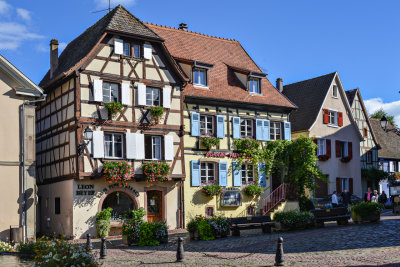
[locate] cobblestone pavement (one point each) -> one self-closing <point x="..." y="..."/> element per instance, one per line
<point x="351" y="245"/>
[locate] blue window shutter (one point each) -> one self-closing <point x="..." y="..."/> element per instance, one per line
<point x="259" y="130"/>
<point x="287" y="131"/>
<point x="220" y="126"/>
<point x="236" y="127"/>
<point x="195" y="124"/>
<point x="262" y="179"/>
<point x="195" y="172"/>
<point x="266" y="130"/>
<point x="223" y="173"/>
<point x="237" y="174"/>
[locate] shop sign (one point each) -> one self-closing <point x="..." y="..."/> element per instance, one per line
<point x="85" y="190"/>
<point x="221" y="155"/>
<point x="133" y="190"/>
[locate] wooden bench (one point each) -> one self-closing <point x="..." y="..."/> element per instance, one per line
<point x="338" y="214"/>
<point x="252" y="222"/>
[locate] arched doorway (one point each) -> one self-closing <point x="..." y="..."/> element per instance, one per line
<point x="119" y="202"/>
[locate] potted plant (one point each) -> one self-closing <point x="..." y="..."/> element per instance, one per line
<point x="156" y="171"/>
<point x="156" y="113"/>
<point x="117" y="172"/>
<point x="323" y="157"/>
<point x="114" y="108"/>
<point x="103" y="222"/>
<point x="366" y="212"/>
<point x="212" y="190"/>
<point x="209" y="141"/>
<point x="130" y="228"/>
<point x="252" y="190"/>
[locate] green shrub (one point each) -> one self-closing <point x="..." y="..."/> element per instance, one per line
<point x="209" y="141"/>
<point x="295" y="219"/>
<point x="205" y="230"/>
<point x="135" y="215"/>
<point x="103" y="222"/>
<point x="253" y="190"/>
<point x="27" y="248"/>
<point x="4" y="246"/>
<point x="219" y="225"/>
<point x="306" y="204"/>
<point x="160" y="232"/>
<point x="146" y="235"/>
<point x="365" y="209"/>
<point x="131" y="230"/>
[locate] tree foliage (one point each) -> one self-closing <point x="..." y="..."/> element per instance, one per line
<point x="379" y="114"/>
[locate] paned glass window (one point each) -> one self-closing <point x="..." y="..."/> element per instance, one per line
<point x="113" y="145"/>
<point x="200" y="77"/>
<point x="207" y="173"/>
<point x="206" y="125"/>
<point x="110" y="92"/>
<point x="335" y="91"/>
<point x="275" y="131"/>
<point x="152" y="96"/>
<point x="246" y="128"/>
<point x="136" y="51"/>
<point x="247" y="174"/>
<point x="321" y="147"/>
<point x="127" y="49"/>
<point x="152" y="147"/>
<point x="333" y="117"/>
<point x="254" y="86"/>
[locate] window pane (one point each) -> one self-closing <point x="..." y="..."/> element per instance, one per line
<point x="202" y="78"/>
<point x="127" y="49"/>
<point x="136" y="51"/>
<point x="108" y="149"/>
<point x="157" y="147"/>
<point x="118" y="149"/>
<point x="114" y="92"/>
<point x="149" y="99"/>
<point x="106" y="92"/>
<point x="147" y="147"/>
<point x="156" y="97"/>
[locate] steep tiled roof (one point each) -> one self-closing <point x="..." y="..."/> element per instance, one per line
<point x="351" y="94"/>
<point x="388" y="140"/>
<point x="223" y="54"/>
<point x="309" y="96"/>
<point x="118" y="20"/>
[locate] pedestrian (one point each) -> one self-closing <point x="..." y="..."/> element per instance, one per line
<point x="375" y="197"/>
<point x="368" y="195"/>
<point x="346" y="196"/>
<point x="335" y="201"/>
<point x="383" y="198"/>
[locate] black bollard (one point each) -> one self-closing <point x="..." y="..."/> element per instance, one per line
<point x="179" y="252"/>
<point x="88" y="243"/>
<point x="103" y="248"/>
<point x="279" y="260"/>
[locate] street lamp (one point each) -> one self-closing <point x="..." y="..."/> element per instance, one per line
<point x="384" y="122"/>
<point x="87" y="136"/>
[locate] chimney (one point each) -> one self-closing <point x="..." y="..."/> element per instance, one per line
<point x="183" y="26"/>
<point x="279" y="84"/>
<point x="53" y="56"/>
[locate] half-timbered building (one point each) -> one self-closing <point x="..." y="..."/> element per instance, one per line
<point x="119" y="61"/>
<point x="227" y="97"/>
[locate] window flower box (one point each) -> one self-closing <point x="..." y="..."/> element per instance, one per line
<point x="156" y="171"/>
<point x="117" y="172"/>
<point x="323" y="157"/>
<point x="252" y="190"/>
<point x="114" y="108"/>
<point x="345" y="159"/>
<point x="211" y="190"/>
<point x="209" y="141"/>
<point x="156" y="113"/>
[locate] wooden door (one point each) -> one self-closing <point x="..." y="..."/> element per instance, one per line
<point x="154" y="206"/>
<point x="322" y="188"/>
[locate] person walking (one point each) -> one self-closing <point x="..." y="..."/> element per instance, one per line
<point x="383" y="198"/>
<point x="375" y="197"/>
<point x="346" y="196"/>
<point x="368" y="195"/>
<point x="335" y="201"/>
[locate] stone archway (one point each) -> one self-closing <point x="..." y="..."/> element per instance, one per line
<point x="129" y="193"/>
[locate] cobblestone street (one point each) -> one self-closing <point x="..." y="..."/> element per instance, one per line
<point x="350" y="245"/>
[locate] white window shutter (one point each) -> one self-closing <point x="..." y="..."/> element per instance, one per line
<point x="98" y="90"/>
<point x="169" y="147"/>
<point x="147" y="51"/>
<point x="139" y="146"/>
<point x="118" y="46"/>
<point x="167" y="97"/>
<point x="98" y="144"/>
<point x="126" y="94"/>
<point x="141" y="94"/>
<point x="130" y="145"/>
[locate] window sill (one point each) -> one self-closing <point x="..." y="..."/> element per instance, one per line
<point x="335" y="97"/>
<point x="131" y="58"/>
<point x="333" y="125"/>
<point x="255" y="94"/>
<point x="108" y="158"/>
<point x="201" y="86"/>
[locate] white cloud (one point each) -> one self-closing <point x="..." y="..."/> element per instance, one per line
<point x="392" y="108"/>
<point x="46" y="48"/>
<point x="61" y="46"/>
<point x="4" y="7"/>
<point x="104" y="3"/>
<point x="24" y="14"/>
<point x="13" y="34"/>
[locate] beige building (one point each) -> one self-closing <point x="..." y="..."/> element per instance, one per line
<point x="324" y="113"/>
<point x="17" y="160"/>
<point x="117" y="60"/>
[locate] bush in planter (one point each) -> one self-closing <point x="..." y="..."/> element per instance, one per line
<point x="103" y="222"/>
<point x="294" y="219"/>
<point x="156" y="113"/>
<point x="131" y="226"/>
<point x="212" y="190"/>
<point x="134" y="215"/>
<point x="156" y="171"/>
<point x="114" y="108"/>
<point x="253" y="190"/>
<point x="366" y="211"/>
<point x="117" y="172"/>
<point x="209" y="141"/>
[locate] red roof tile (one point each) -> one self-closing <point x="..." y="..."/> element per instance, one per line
<point x="222" y="53"/>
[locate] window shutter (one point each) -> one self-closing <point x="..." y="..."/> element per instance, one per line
<point x="169" y="147"/>
<point x="338" y="185"/>
<point x="266" y="130"/>
<point x="126" y="94"/>
<point x="167" y="97"/>
<point x="340" y="119"/>
<point x="328" y="147"/>
<point x="351" y="185"/>
<point x="236" y="127"/>
<point x="337" y="148"/>
<point x="195" y="172"/>
<point x="315" y="140"/>
<point x="262" y="178"/>
<point x="147" y="51"/>
<point x="223" y="173"/>
<point x="259" y="130"/>
<point x="130" y="145"/>
<point x="195" y="124"/>
<point x="141" y="94"/>
<point x="220" y="126"/>
<point x="350" y="149"/>
<point x="118" y="46"/>
<point x="139" y="146"/>
<point x="237" y="174"/>
<point x="287" y="131"/>
<point x="98" y="90"/>
<point x="98" y="144"/>
<point x="326" y="116"/>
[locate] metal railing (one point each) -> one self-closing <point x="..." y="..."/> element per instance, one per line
<point x="281" y="193"/>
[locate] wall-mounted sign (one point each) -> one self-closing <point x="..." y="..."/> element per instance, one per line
<point x="221" y="155"/>
<point x="231" y="198"/>
<point x="134" y="191"/>
<point x="85" y="190"/>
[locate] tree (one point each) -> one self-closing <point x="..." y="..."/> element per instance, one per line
<point x="379" y="114"/>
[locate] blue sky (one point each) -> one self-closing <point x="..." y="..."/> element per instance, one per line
<point x="292" y="39"/>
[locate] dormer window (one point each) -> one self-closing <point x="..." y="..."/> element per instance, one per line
<point x="200" y="77"/>
<point x="254" y="86"/>
<point x="335" y="91"/>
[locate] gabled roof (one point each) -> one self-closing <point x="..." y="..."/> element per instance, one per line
<point x="27" y="87"/>
<point x="119" y="20"/>
<point x="388" y="140"/>
<point x="308" y="95"/>
<point x="351" y="95"/>
<point x="225" y="55"/>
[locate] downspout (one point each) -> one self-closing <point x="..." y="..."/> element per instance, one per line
<point x="24" y="223"/>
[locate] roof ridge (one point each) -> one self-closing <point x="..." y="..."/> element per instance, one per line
<point x="318" y="77"/>
<point x="192" y="32"/>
